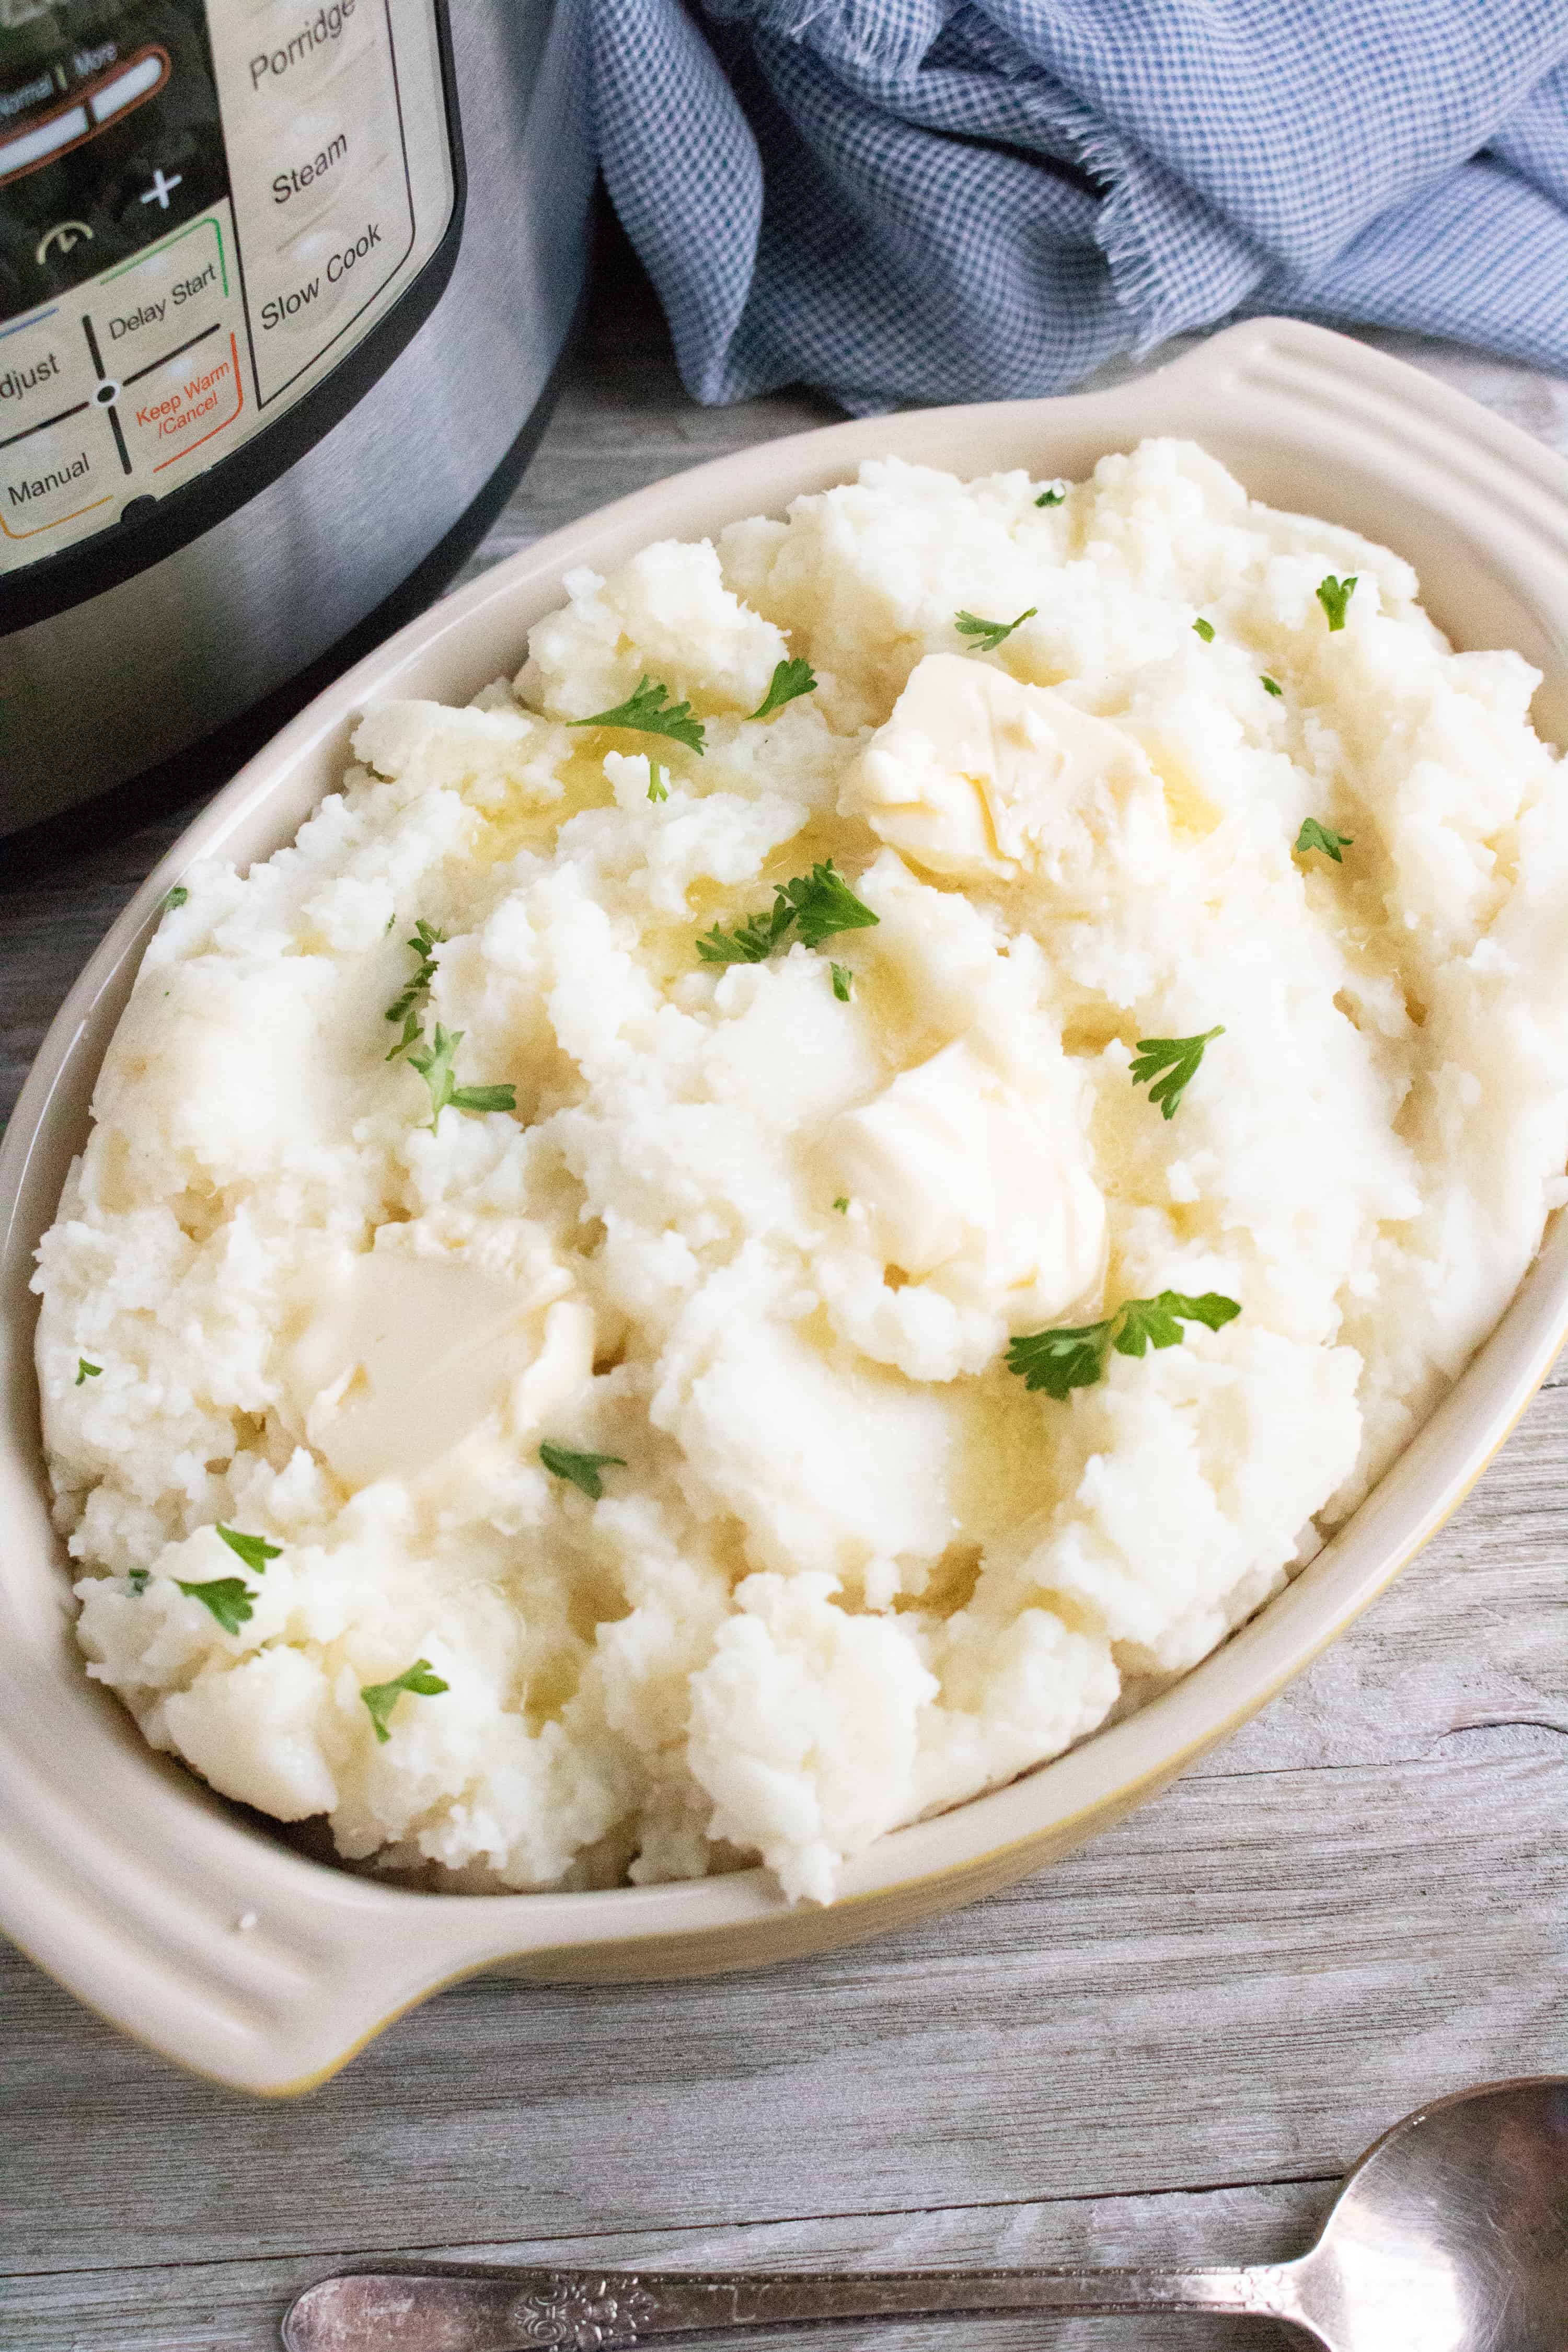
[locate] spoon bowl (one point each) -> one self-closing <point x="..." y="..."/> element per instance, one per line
<point x="1450" y="2235"/>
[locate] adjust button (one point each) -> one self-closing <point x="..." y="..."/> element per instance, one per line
<point x="44" y="369"/>
<point x="51" y="477"/>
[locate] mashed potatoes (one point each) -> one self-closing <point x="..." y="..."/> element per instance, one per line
<point x="634" y="1480"/>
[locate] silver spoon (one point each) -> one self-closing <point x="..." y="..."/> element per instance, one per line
<point x="1450" y="2235"/>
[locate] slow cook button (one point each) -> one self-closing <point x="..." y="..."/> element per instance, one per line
<point x="49" y="478"/>
<point x="341" y="263"/>
<point x="178" y="407"/>
<point x="44" y="369"/>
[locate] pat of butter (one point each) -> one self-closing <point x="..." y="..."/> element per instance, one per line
<point x="976" y="773"/>
<point x="395" y="1358"/>
<point x="964" y="1175"/>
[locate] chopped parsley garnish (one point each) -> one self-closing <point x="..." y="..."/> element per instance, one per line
<point x="842" y="1204"/>
<point x="1052" y="495"/>
<point x="582" y="1469"/>
<point x="819" y="905"/>
<point x="435" y="1067"/>
<point x="409" y="1006"/>
<point x="1314" y="835"/>
<point x="1333" y="596"/>
<point x="1270" y="685"/>
<point x="789" y="680"/>
<point x="228" y="1598"/>
<point x="989" y="634"/>
<point x="1205" y="629"/>
<point x="751" y="941"/>
<point x="380" y="1698"/>
<point x="1075" y="1357"/>
<point x="842" y="977"/>
<point x="174" y="897"/>
<point x="86" y="1371"/>
<point x="650" y="712"/>
<point x="138" y="1578"/>
<point x="824" y="904"/>
<point x="658" y="789"/>
<point x="1178" y="1057"/>
<point x="254" y="1550"/>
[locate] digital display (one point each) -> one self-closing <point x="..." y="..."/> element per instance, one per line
<point x="110" y="132"/>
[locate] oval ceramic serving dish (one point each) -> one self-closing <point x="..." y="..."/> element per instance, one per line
<point x="183" y="1920"/>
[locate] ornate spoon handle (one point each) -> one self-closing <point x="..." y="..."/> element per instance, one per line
<point x="504" y="2310"/>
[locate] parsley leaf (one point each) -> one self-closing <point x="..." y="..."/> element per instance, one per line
<point x="413" y="1030"/>
<point x="820" y="903"/>
<point x="1205" y="629"/>
<point x="380" y="1698"/>
<point x="1270" y="685"/>
<point x="1052" y="495"/>
<point x="582" y="1469"/>
<point x="790" y="679"/>
<point x="138" y="1580"/>
<point x="1333" y="596"/>
<point x="254" y="1550"/>
<point x="1072" y="1357"/>
<point x="1075" y="1357"/>
<point x="751" y="941"/>
<point x="650" y="712"/>
<point x="824" y="904"/>
<point x="435" y="1067"/>
<point x="228" y="1598"/>
<point x="842" y="1204"/>
<point x="174" y="897"/>
<point x="407" y="1008"/>
<point x="1314" y="835"/>
<point x="989" y="634"/>
<point x="86" y="1371"/>
<point x="1179" y="1058"/>
<point x="1143" y="1323"/>
<point x="658" y="789"/>
<point x="842" y="977"/>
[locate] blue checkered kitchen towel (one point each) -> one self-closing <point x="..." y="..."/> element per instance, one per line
<point x="935" y="200"/>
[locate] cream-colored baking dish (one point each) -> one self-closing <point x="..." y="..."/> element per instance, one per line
<point x="182" y="1918"/>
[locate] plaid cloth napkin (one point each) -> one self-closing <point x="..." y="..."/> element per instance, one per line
<point x="934" y="200"/>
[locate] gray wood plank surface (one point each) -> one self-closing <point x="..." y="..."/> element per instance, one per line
<point x="1168" y="2047"/>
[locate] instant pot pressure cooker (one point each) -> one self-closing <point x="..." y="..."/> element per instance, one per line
<point x="282" y="284"/>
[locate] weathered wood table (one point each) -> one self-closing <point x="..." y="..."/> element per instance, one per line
<point x="1167" y="2048"/>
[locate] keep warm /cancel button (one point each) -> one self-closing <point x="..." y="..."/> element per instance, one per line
<point x="177" y="408"/>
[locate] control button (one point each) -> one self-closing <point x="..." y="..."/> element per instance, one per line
<point x="25" y="150"/>
<point x="64" y="238"/>
<point x="142" y="313"/>
<point x="326" y="272"/>
<point x="130" y="86"/>
<point x="45" y="370"/>
<point x="280" y="72"/>
<point x="178" y="405"/>
<point x="162" y="189"/>
<point x="51" y="477"/>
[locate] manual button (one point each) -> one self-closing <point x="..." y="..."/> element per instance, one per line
<point x="44" y="371"/>
<point x="51" y="477"/>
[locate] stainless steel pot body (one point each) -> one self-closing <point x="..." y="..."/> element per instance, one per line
<point x="123" y="678"/>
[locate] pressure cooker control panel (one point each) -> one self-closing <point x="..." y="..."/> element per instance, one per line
<point x="202" y="210"/>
